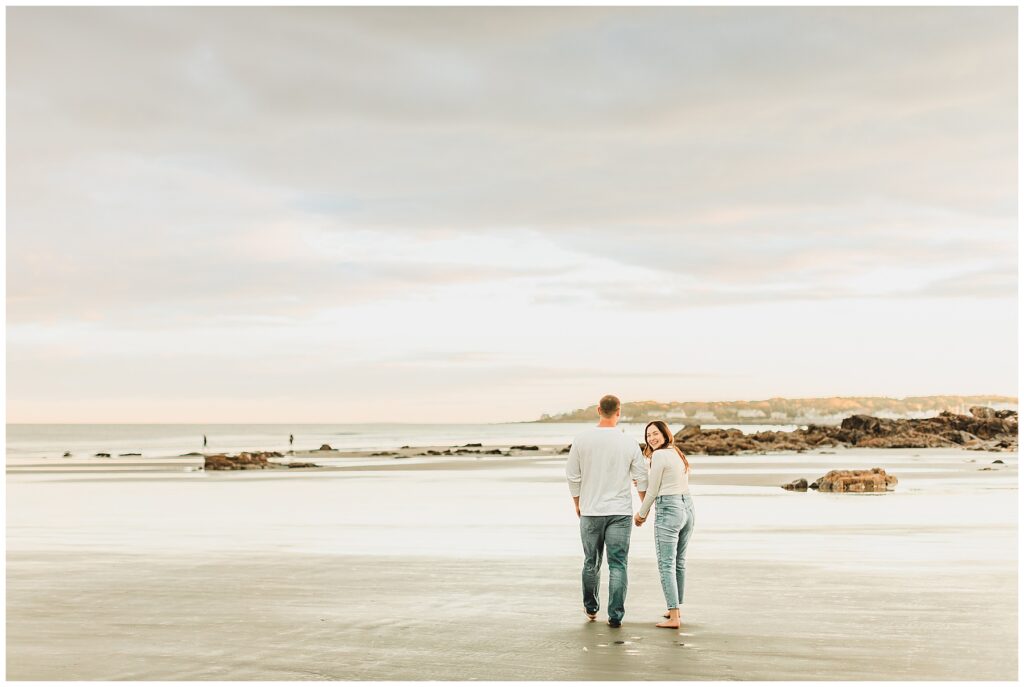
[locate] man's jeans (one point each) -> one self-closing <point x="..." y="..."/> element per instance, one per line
<point x="673" y="525"/>
<point x="600" y="532"/>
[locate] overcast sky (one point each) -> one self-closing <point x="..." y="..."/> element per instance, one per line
<point x="465" y="214"/>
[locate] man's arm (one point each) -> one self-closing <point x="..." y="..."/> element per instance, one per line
<point x="638" y="471"/>
<point x="574" y="476"/>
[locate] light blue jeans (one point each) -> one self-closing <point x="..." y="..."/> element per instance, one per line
<point x="673" y="525"/>
<point x="600" y="533"/>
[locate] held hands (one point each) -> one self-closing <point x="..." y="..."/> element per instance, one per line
<point x="638" y="520"/>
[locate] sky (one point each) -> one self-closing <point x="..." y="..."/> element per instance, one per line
<point x="485" y="214"/>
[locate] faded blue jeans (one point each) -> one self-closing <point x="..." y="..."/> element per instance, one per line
<point x="673" y="525"/>
<point x="601" y="532"/>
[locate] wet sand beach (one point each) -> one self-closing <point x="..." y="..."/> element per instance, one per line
<point x="298" y="617"/>
<point x="446" y="571"/>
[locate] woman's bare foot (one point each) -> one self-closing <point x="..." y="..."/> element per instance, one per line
<point x="673" y="620"/>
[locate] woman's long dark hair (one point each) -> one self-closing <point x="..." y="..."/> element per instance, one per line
<point x="670" y="440"/>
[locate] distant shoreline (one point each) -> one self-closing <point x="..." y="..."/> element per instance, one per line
<point x="790" y="411"/>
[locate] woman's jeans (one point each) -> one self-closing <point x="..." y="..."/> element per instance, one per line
<point x="673" y="525"/>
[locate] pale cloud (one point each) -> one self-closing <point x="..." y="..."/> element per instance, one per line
<point x="387" y="184"/>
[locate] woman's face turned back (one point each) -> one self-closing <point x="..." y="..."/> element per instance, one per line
<point x="654" y="438"/>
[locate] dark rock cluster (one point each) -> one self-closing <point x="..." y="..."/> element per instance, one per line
<point x="984" y="429"/>
<point x="875" y="479"/>
<point x="848" y="481"/>
<point x="463" y="452"/>
<point x="258" y="460"/>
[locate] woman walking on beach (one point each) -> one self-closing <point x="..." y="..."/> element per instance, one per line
<point x="669" y="488"/>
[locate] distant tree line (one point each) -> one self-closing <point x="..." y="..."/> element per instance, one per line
<point x="787" y="410"/>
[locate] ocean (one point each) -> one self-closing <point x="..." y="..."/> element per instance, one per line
<point x="38" y="441"/>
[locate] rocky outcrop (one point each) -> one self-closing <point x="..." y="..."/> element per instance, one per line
<point x="325" y="447"/>
<point x="983" y="430"/>
<point x="856" y="481"/>
<point x="243" y="461"/>
<point x="989" y="414"/>
<point x="796" y="485"/>
<point x="721" y="442"/>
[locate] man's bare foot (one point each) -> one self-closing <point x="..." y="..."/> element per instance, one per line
<point x="592" y="616"/>
<point x="671" y="624"/>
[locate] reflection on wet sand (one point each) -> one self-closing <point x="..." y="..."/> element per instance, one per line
<point x="449" y="572"/>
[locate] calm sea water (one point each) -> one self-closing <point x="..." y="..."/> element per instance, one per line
<point x="159" y="441"/>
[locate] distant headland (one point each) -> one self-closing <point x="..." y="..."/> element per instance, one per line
<point x="786" y="411"/>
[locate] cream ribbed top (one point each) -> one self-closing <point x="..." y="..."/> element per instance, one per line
<point x="667" y="476"/>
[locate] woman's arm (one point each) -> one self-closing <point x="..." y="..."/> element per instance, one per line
<point x="654" y="484"/>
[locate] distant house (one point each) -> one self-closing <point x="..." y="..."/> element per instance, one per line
<point x="752" y="414"/>
<point x="705" y="415"/>
<point x="675" y="415"/>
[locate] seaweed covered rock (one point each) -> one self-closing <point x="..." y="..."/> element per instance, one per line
<point x="857" y="481"/>
<point x="243" y="461"/>
<point x="984" y="429"/>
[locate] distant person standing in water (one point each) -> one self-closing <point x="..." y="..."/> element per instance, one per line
<point x="204" y="441"/>
<point x="291" y="439"/>
<point x="599" y="469"/>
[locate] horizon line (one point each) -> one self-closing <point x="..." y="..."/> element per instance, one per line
<point x="535" y="420"/>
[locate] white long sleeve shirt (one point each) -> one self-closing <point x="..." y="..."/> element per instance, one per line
<point x="668" y="476"/>
<point x="602" y="464"/>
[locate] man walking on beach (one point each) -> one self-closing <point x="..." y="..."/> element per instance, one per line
<point x="602" y="464"/>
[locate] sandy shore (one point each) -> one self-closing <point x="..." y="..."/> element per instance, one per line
<point x="461" y="568"/>
<point x="304" y="617"/>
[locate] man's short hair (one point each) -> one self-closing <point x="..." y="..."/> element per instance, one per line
<point x="608" y="406"/>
